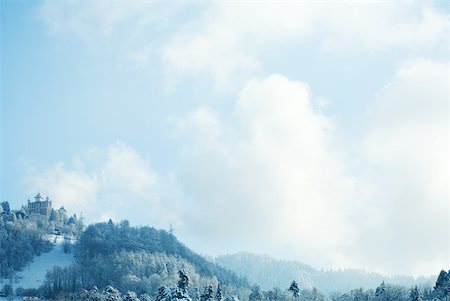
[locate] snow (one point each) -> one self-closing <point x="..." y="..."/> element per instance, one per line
<point x="33" y="275"/>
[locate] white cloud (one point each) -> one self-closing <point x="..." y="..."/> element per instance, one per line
<point x="112" y="182"/>
<point x="271" y="178"/>
<point x="103" y="18"/>
<point x="268" y="180"/>
<point x="407" y="150"/>
<point x="127" y="32"/>
<point x="228" y="42"/>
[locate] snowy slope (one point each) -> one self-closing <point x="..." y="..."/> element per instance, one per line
<point x="33" y="275"/>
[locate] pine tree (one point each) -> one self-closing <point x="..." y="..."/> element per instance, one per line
<point x="183" y="282"/>
<point x="294" y="289"/>
<point x="5" y="206"/>
<point x="208" y="294"/>
<point x="415" y="294"/>
<point x="146" y="297"/>
<point x="131" y="296"/>
<point x="256" y="294"/>
<point x="316" y="295"/>
<point x="164" y="293"/>
<point x="442" y="287"/>
<point x="112" y="294"/>
<point x="219" y="295"/>
<point x="380" y="292"/>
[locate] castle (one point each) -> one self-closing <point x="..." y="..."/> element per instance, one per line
<point x="40" y="206"/>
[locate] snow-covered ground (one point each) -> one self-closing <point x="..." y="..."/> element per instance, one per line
<point x="33" y="275"/>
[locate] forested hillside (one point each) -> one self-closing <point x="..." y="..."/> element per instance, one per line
<point x="115" y="261"/>
<point x="269" y="273"/>
<point x="23" y="235"/>
<point x="139" y="259"/>
<point x="20" y="241"/>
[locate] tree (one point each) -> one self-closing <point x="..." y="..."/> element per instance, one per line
<point x="208" y="294"/>
<point x="5" y="206"/>
<point x="183" y="282"/>
<point x="164" y="293"/>
<point x="112" y="294"/>
<point x="380" y="292"/>
<point x="146" y="297"/>
<point x="359" y="295"/>
<point x="219" y="295"/>
<point x="316" y="295"/>
<point x="7" y="290"/>
<point x="442" y="287"/>
<point x="131" y="296"/>
<point x="415" y="294"/>
<point x="294" y="289"/>
<point x="256" y="294"/>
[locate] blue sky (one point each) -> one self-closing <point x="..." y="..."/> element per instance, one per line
<point x="299" y="130"/>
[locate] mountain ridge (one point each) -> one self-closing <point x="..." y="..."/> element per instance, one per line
<point x="269" y="272"/>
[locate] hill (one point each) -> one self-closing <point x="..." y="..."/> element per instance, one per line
<point x="269" y="273"/>
<point x="33" y="275"/>
<point x="141" y="259"/>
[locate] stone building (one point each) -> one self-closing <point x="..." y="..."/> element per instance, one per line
<point x="40" y="206"/>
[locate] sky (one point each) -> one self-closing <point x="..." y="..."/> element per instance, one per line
<point x="313" y="131"/>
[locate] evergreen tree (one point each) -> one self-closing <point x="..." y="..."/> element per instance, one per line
<point x="131" y="296"/>
<point x="380" y="292"/>
<point x="5" y="206"/>
<point x="7" y="290"/>
<point x="146" y="297"/>
<point x="208" y="294"/>
<point x="316" y="295"/>
<point x="415" y="294"/>
<point x="294" y="289"/>
<point x="164" y="293"/>
<point x="183" y="282"/>
<point x="442" y="287"/>
<point x="112" y="294"/>
<point x="219" y="295"/>
<point x="256" y="294"/>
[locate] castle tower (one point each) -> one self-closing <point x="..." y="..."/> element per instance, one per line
<point x="38" y="197"/>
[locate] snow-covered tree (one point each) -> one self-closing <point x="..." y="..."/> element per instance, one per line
<point x="183" y="282"/>
<point x="207" y="294"/>
<point x="415" y="294"/>
<point x="380" y="292"/>
<point x="256" y="294"/>
<point x="442" y="287"/>
<point x="131" y="296"/>
<point x="178" y="293"/>
<point x="5" y="206"/>
<point x="219" y="295"/>
<point x="112" y="294"/>
<point x="164" y="294"/>
<point x="294" y="289"/>
<point x="7" y="290"/>
<point x="146" y="297"/>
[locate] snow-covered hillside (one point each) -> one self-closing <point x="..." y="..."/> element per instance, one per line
<point x="33" y="275"/>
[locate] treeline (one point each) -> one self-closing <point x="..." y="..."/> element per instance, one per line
<point x="387" y="292"/>
<point x="187" y="290"/>
<point x="138" y="259"/>
<point x="20" y="241"/>
<point x="269" y="272"/>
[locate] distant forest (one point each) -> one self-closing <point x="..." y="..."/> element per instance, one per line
<point x="115" y="261"/>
